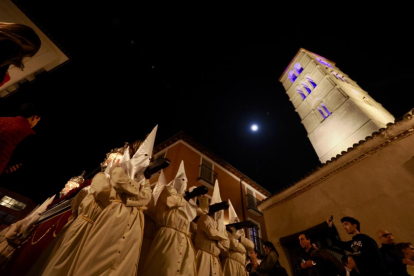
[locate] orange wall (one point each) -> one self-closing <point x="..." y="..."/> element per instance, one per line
<point x="229" y="186"/>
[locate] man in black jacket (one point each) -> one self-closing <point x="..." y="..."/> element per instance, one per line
<point x="395" y="262"/>
<point x="317" y="261"/>
<point x="364" y="249"/>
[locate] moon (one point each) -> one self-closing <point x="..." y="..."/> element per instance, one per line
<point x="254" y="128"/>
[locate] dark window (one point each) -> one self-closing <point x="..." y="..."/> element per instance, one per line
<point x="6" y="218"/>
<point x="258" y="243"/>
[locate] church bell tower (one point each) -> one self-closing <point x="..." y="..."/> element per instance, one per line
<point x="335" y="111"/>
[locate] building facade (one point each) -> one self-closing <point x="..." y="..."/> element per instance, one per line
<point x="373" y="181"/>
<point x="203" y="168"/>
<point x="335" y="111"/>
<point x="49" y="56"/>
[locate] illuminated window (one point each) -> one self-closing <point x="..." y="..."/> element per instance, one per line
<point x="321" y="61"/>
<point x="298" y="68"/>
<point x="11" y="203"/>
<point x="326" y="109"/>
<point x="311" y="81"/>
<point x="320" y="111"/>
<point x="292" y="76"/>
<point x="301" y="93"/>
<point x="306" y="87"/>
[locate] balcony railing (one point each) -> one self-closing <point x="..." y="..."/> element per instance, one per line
<point x="252" y="203"/>
<point x="207" y="176"/>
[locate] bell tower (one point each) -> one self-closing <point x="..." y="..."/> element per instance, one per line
<point x="335" y="111"/>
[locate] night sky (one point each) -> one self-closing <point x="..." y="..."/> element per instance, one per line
<point x="131" y="69"/>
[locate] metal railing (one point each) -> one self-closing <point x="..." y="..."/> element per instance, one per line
<point x="252" y="202"/>
<point x="207" y="174"/>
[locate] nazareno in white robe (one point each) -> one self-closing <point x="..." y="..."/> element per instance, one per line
<point x="114" y="243"/>
<point x="233" y="260"/>
<point x="61" y="257"/>
<point x="208" y="244"/>
<point x="172" y="252"/>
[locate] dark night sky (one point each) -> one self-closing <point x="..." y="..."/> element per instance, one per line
<point x="211" y="81"/>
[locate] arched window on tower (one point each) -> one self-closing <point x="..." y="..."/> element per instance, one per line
<point x="307" y="88"/>
<point x="301" y="93"/>
<point x="298" y="68"/>
<point x="310" y="80"/>
<point x="326" y="109"/>
<point x="323" y="110"/>
<point x="292" y="76"/>
<point x="320" y="111"/>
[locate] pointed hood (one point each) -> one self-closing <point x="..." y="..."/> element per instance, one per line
<point x="218" y="216"/>
<point x="180" y="181"/>
<point x="141" y="159"/>
<point x="161" y="183"/>
<point x="126" y="156"/>
<point x="34" y="216"/>
<point x="108" y="167"/>
<point x="216" y="198"/>
<point x="233" y="218"/>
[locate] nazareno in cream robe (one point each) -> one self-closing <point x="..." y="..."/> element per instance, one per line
<point x="172" y="252"/>
<point x="61" y="257"/>
<point x="234" y="260"/>
<point x="207" y="245"/>
<point x="114" y="243"/>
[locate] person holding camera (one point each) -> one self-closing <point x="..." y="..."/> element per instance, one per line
<point x="364" y="249"/>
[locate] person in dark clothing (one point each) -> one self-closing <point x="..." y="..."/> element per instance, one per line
<point x="17" y="139"/>
<point x="305" y="263"/>
<point x="270" y="264"/>
<point x="395" y="262"/>
<point x="318" y="261"/>
<point x="364" y="249"/>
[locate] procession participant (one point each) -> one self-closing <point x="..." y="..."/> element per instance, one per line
<point x="114" y="243"/>
<point x="61" y="256"/>
<point x="233" y="260"/>
<point x="172" y="252"/>
<point x="210" y="238"/>
<point x="14" y="235"/>
<point x="150" y="228"/>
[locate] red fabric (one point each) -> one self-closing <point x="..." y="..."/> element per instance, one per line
<point x="26" y="255"/>
<point x="6" y="79"/>
<point x="12" y="131"/>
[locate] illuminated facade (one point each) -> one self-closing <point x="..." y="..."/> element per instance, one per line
<point x="335" y="111"/>
<point x="372" y="182"/>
